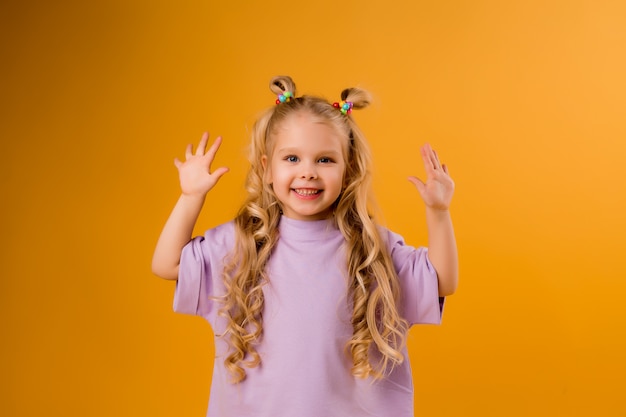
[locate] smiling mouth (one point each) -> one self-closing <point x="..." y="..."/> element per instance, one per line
<point x="306" y="191"/>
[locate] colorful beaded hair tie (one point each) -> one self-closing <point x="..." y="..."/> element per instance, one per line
<point x="344" y="107"/>
<point x="284" y="97"/>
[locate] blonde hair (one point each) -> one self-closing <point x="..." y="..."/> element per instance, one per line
<point x="373" y="287"/>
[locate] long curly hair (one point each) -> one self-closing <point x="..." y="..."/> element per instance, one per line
<point x="373" y="289"/>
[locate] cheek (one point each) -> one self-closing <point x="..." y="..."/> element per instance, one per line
<point x="277" y="174"/>
<point x="340" y="179"/>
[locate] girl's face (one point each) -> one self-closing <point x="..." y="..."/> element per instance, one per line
<point x="306" y="167"/>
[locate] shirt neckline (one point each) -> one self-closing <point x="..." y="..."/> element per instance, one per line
<point x="306" y="230"/>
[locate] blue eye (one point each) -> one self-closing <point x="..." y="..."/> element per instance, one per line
<point x="325" y="160"/>
<point x="291" y="158"/>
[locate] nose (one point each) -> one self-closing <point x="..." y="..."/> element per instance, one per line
<point x="309" y="172"/>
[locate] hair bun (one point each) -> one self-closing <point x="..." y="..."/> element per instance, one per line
<point x="281" y="84"/>
<point x="358" y="97"/>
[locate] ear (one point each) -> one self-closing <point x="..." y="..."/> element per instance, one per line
<point x="267" y="172"/>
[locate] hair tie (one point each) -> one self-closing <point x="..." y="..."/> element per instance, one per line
<point x="344" y="107"/>
<point x="284" y="97"/>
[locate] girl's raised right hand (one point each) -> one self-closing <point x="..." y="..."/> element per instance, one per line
<point x="196" y="178"/>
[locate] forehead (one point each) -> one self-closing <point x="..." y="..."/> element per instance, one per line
<point x="308" y="131"/>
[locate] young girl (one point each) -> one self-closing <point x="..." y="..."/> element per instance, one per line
<point x="309" y="299"/>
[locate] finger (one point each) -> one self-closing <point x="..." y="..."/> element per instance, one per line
<point x="213" y="149"/>
<point x="445" y="169"/>
<point x="202" y="144"/>
<point x="427" y="157"/>
<point x="437" y="162"/>
<point x="219" y="172"/>
<point x="189" y="151"/>
<point x="419" y="184"/>
<point x="432" y="156"/>
<point x="177" y="162"/>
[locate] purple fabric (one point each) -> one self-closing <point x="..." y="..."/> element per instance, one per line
<point x="305" y="370"/>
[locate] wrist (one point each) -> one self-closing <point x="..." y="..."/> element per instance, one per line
<point x="192" y="198"/>
<point x="438" y="214"/>
<point x="437" y="211"/>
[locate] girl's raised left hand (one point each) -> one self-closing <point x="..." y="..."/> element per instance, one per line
<point x="438" y="189"/>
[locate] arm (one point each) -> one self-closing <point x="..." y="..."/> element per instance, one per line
<point x="196" y="181"/>
<point x="437" y="194"/>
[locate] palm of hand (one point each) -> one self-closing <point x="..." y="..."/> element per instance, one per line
<point x="438" y="188"/>
<point x="195" y="173"/>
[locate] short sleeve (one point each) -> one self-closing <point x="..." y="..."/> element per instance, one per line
<point x="200" y="272"/>
<point x="192" y="279"/>
<point x="420" y="301"/>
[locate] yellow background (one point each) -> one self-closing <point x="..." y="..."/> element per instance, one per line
<point x="525" y="100"/>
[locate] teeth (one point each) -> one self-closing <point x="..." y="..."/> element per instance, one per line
<point x="306" y="192"/>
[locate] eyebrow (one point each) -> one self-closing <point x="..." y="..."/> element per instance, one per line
<point x="296" y="150"/>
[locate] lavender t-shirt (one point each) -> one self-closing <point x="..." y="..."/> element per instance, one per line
<point x="304" y="368"/>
